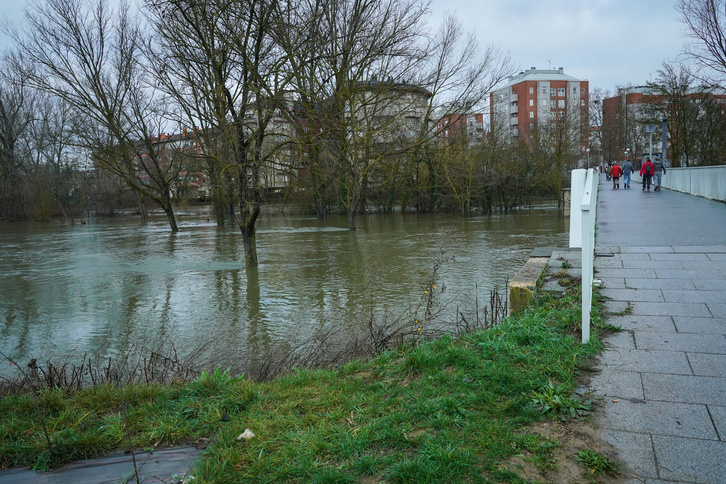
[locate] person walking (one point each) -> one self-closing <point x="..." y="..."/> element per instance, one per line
<point x="658" y="172"/>
<point x="627" y="172"/>
<point x="646" y="171"/>
<point x="615" y="172"/>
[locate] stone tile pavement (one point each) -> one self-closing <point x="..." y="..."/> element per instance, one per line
<point x="662" y="379"/>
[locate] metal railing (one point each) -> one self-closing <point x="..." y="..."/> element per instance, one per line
<point x="583" y="208"/>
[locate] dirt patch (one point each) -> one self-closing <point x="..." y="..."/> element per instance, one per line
<point x="562" y="468"/>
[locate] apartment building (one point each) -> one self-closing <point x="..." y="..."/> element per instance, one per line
<point x="457" y="126"/>
<point x="537" y="96"/>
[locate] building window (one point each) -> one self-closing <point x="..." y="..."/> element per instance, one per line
<point x="561" y="91"/>
<point x="552" y="104"/>
<point x="582" y="91"/>
<point x="544" y="90"/>
<point x="574" y="90"/>
<point x="544" y="103"/>
<point x="561" y="103"/>
<point x="553" y="91"/>
<point x="531" y="115"/>
<point x="531" y="102"/>
<point x="531" y="90"/>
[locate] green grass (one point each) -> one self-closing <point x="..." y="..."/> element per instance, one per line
<point x="450" y="410"/>
<point x="597" y="464"/>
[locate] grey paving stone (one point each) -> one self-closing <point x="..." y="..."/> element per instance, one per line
<point x="718" y="414"/>
<point x="620" y="340"/>
<point x="627" y="273"/>
<point x="612" y="282"/>
<point x="654" y="264"/>
<point x="705" y="265"/>
<point x="705" y="364"/>
<point x="645" y="250"/>
<point x="648" y="295"/>
<point x="718" y="310"/>
<point x="663" y="418"/>
<point x="620" y="384"/>
<point x="687" y="274"/>
<point x="687" y="324"/>
<point x="615" y="307"/>
<point x="694" y="342"/>
<point x="708" y="249"/>
<point x="718" y="256"/>
<point x="684" y="389"/>
<point x="679" y="296"/>
<point x="608" y="263"/>
<point x="710" y="284"/>
<point x="624" y="359"/>
<point x="671" y="309"/>
<point x="679" y="256"/>
<point x="643" y="323"/>
<point x="684" y="284"/>
<point x="636" y="451"/>
<point x="690" y="460"/>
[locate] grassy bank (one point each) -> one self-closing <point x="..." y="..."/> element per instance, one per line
<point x="456" y="409"/>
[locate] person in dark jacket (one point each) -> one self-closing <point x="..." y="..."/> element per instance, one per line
<point x="627" y="171"/>
<point x="615" y="172"/>
<point x="658" y="172"/>
<point x="646" y="171"/>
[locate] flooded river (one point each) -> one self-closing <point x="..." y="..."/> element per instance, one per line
<point x="100" y="287"/>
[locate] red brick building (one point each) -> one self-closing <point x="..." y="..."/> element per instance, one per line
<point x="538" y="96"/>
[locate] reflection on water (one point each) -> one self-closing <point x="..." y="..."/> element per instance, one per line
<point x="101" y="287"/>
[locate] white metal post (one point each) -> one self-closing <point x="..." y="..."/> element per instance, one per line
<point x="588" y="242"/>
<point x="577" y="187"/>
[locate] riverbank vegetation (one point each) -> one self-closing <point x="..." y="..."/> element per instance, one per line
<point x="459" y="408"/>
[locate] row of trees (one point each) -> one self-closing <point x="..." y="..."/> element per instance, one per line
<point x="89" y="82"/>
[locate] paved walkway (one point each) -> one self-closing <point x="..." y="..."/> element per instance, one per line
<point x="663" y="378"/>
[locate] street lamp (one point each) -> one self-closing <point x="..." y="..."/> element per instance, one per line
<point x="588" y="157"/>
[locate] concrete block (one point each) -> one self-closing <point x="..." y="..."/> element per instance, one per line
<point x="710" y="284"/>
<point x="663" y="418"/>
<point x="690" y="460"/>
<point x="678" y="256"/>
<point x="653" y="264"/>
<point x="684" y="284"/>
<point x="684" y="389"/>
<point x="680" y="296"/>
<point x="613" y="282"/>
<point x="626" y="273"/>
<point x="687" y="274"/>
<point x="646" y="250"/>
<point x="688" y="324"/>
<point x="621" y="340"/>
<point x="643" y="323"/>
<point x="631" y="295"/>
<point x="524" y="284"/>
<point x="636" y="451"/>
<point x="617" y="384"/>
<point x="692" y="342"/>
<point x="698" y="310"/>
<point x="637" y="360"/>
<point x="705" y="364"/>
<point x="718" y="413"/>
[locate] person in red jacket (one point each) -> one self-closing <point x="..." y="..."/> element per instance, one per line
<point x="615" y="172"/>
<point x="646" y="171"/>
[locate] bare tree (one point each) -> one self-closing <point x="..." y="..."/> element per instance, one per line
<point x="706" y="25"/>
<point x="89" y="56"/>
<point x="217" y="60"/>
<point x="16" y="114"/>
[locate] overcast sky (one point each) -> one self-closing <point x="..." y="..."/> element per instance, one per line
<point x="607" y="42"/>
